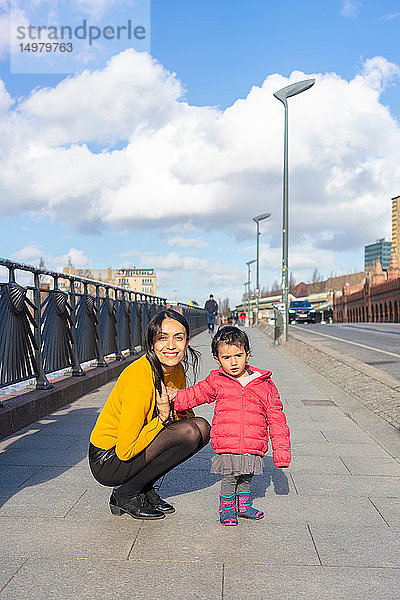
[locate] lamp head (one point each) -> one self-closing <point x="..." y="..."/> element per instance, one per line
<point x="293" y="89"/>
<point x="259" y="218"/>
<point x="250" y="262"/>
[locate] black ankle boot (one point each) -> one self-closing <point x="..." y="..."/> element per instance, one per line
<point x="156" y="502"/>
<point x="137" y="507"/>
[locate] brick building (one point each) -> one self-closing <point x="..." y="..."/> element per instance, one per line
<point x="378" y="301"/>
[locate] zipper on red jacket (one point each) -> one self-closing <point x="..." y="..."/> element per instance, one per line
<point x="241" y="422"/>
<point x="221" y="372"/>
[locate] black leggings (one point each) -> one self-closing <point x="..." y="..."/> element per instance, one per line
<point x="171" y="447"/>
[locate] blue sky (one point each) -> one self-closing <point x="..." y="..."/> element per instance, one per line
<point x="163" y="163"/>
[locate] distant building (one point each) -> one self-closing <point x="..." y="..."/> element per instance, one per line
<point x="381" y="250"/>
<point x="139" y="280"/>
<point x="396" y="227"/>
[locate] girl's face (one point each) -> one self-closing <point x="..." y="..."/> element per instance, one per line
<point x="232" y="359"/>
<point x="170" y="344"/>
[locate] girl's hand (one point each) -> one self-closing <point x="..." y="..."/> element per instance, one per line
<point x="163" y="404"/>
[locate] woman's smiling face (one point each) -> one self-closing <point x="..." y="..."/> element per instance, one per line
<point x="170" y="344"/>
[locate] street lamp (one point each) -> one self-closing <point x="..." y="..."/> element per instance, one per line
<point x="250" y="262"/>
<point x="257" y="219"/>
<point x="246" y="283"/>
<point x="283" y="95"/>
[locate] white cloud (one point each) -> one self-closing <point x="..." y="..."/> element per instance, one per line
<point x="179" y="228"/>
<point x="303" y="260"/>
<point x="215" y="274"/>
<point x="96" y="7"/>
<point x="184" y="168"/>
<point x="350" y="8"/>
<point x="379" y="73"/>
<point x="75" y="256"/>
<point x="5" y="99"/>
<point x="181" y="242"/>
<point x="33" y="253"/>
<point x="133" y="93"/>
<point x="4" y="35"/>
<point x="29" y="255"/>
<point x="130" y="253"/>
<point x="390" y="16"/>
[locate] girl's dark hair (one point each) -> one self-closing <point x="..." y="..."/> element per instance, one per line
<point x="152" y="329"/>
<point x="231" y="335"/>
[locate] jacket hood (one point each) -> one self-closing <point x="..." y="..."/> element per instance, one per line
<point x="264" y="374"/>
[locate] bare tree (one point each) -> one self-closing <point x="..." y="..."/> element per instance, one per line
<point x="276" y="288"/>
<point x="273" y="291"/>
<point x="43" y="279"/>
<point x="223" y="308"/>
<point x="292" y="284"/>
<point x="316" y="276"/>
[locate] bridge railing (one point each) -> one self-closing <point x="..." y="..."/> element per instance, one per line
<point x="55" y="321"/>
<point x="195" y="316"/>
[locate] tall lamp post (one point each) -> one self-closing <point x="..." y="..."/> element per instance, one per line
<point x="283" y="95"/>
<point x="250" y="262"/>
<point x="246" y="284"/>
<point x="257" y="220"/>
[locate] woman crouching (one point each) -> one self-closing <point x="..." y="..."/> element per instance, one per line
<point x="136" y="439"/>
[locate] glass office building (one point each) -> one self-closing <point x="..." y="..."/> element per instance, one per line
<point x="381" y="250"/>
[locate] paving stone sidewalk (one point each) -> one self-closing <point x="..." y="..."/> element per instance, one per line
<point x="332" y="520"/>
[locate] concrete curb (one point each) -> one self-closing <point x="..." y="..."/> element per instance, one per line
<point x="369" y="370"/>
<point x="25" y="408"/>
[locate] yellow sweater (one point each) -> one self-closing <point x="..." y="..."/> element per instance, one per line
<point x="126" y="420"/>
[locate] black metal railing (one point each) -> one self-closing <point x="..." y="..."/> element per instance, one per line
<point x="66" y="321"/>
<point x="195" y="316"/>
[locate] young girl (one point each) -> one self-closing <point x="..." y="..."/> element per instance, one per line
<point x="247" y="407"/>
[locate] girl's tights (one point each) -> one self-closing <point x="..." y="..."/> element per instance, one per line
<point x="231" y="484"/>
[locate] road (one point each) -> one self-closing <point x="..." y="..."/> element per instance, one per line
<point x="376" y="344"/>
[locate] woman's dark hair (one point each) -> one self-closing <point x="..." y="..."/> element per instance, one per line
<point x="231" y="335"/>
<point x="152" y="329"/>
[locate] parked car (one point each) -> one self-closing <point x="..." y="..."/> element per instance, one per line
<point x="301" y="311"/>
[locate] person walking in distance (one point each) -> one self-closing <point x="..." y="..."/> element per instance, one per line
<point x="247" y="410"/>
<point x="212" y="309"/>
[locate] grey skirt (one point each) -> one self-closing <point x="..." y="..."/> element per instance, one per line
<point x="237" y="464"/>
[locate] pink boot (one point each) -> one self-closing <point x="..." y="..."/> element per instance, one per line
<point x="227" y="510"/>
<point x="244" y="508"/>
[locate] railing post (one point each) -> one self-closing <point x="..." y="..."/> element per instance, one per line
<point x="77" y="370"/>
<point x="101" y="361"/>
<point x="118" y="354"/>
<point x="131" y="326"/>
<point x="11" y="274"/>
<point x="42" y="383"/>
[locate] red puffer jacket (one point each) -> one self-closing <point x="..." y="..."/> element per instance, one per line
<point x="243" y="416"/>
